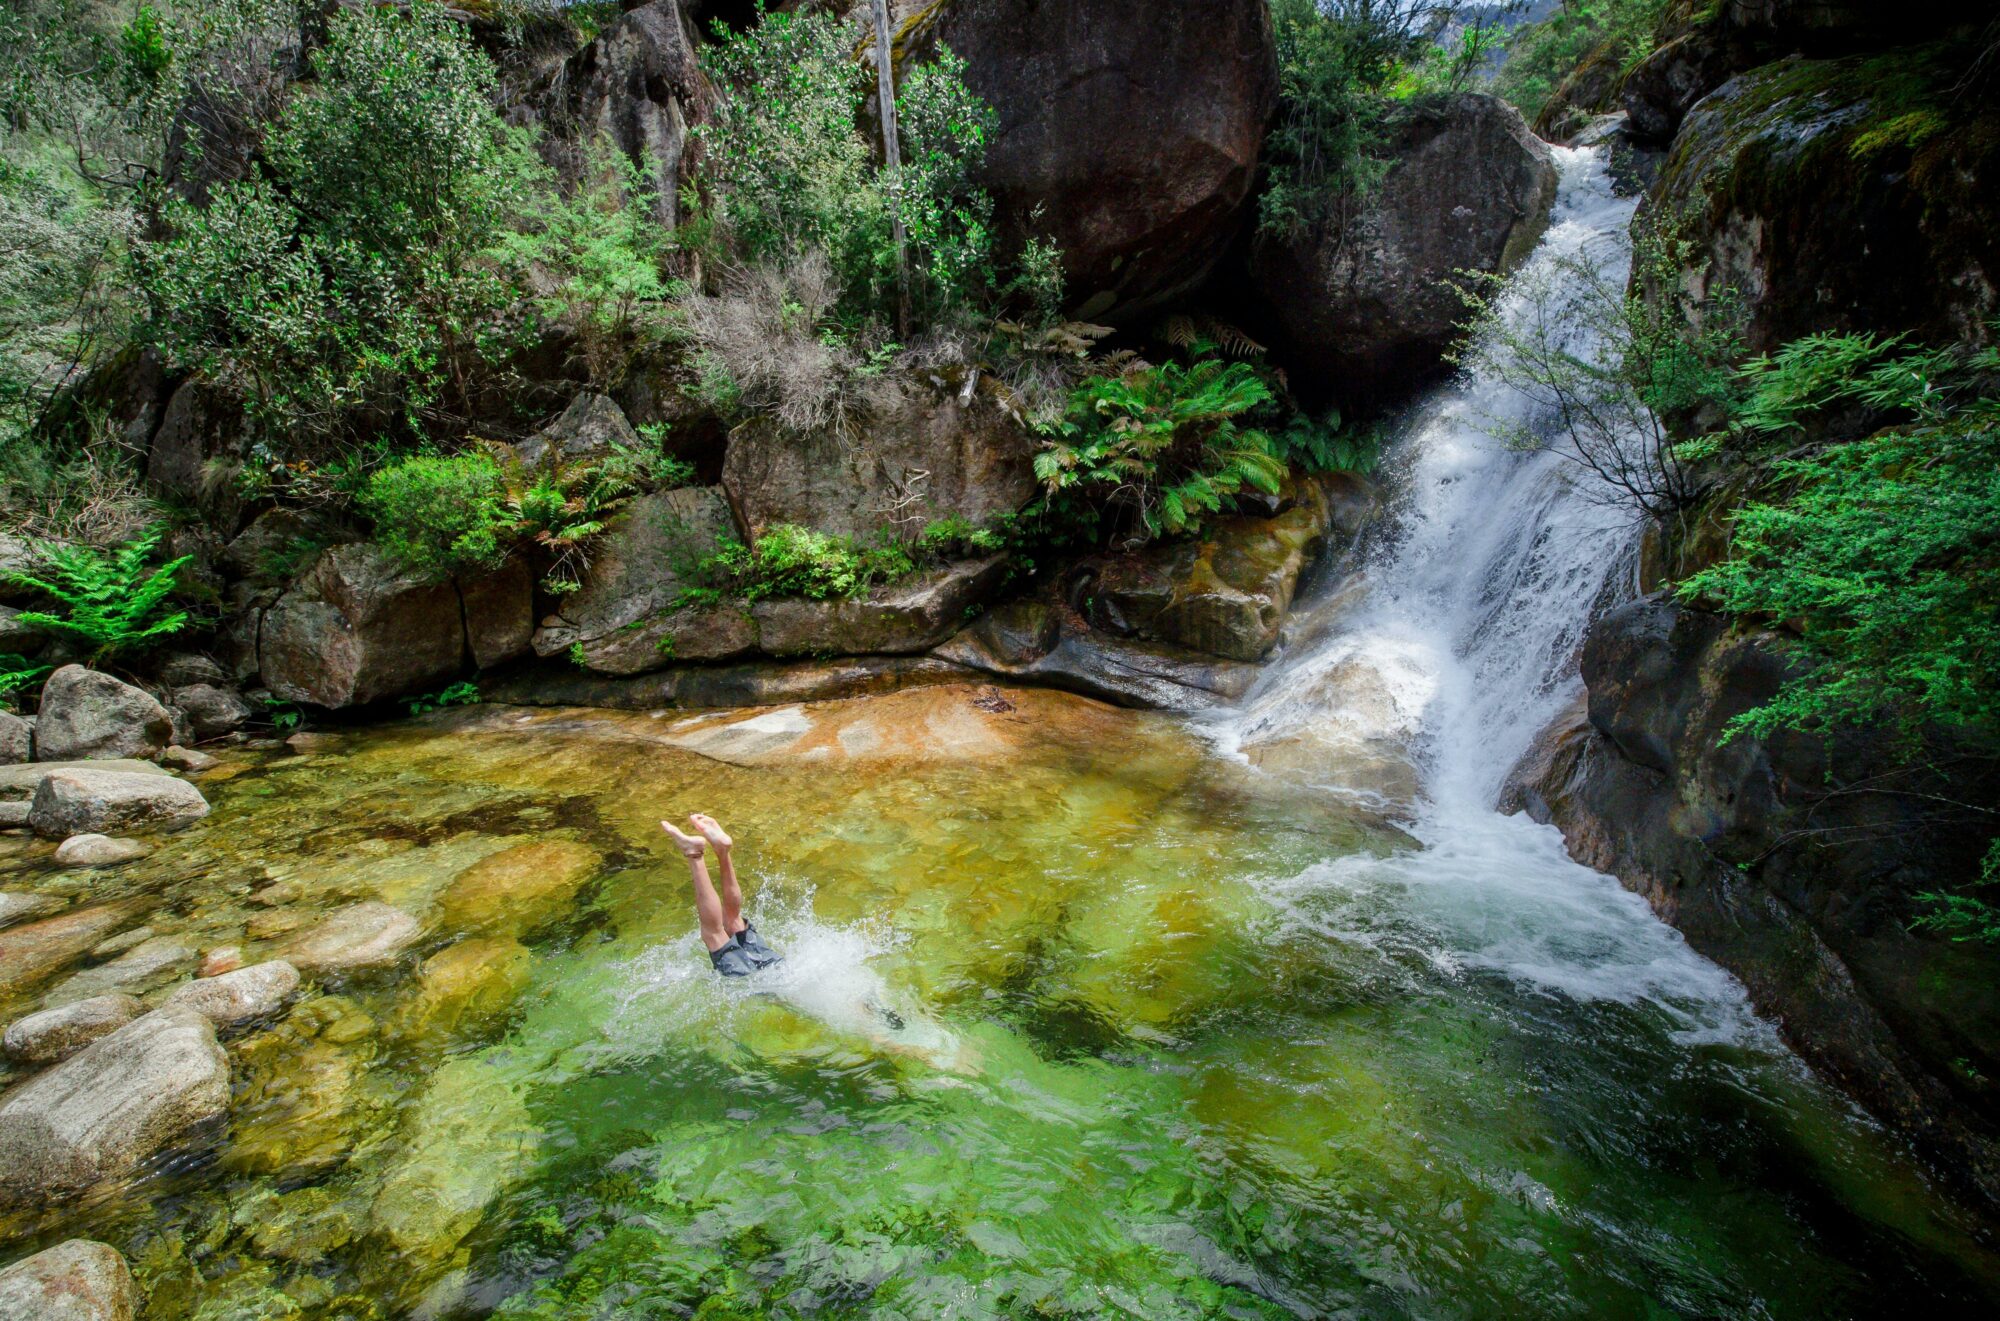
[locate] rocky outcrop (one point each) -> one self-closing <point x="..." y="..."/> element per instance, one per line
<point x="1041" y="643"/>
<point x="1226" y="592"/>
<point x="99" y="1115"/>
<point x="638" y="573"/>
<point x="895" y="619"/>
<point x="1660" y="90"/>
<point x="1128" y="134"/>
<point x="1793" y="861"/>
<point x="1843" y="26"/>
<point x="77" y="1280"/>
<point x="592" y="427"/>
<point x="53" y="1035"/>
<point x="753" y="683"/>
<point x="84" y="802"/>
<point x="202" y="429"/>
<point x="927" y="457"/>
<point x="1836" y="195"/>
<point x="233" y="998"/>
<point x="1365" y="305"/>
<point x="85" y="715"/>
<point x="638" y="87"/>
<point x="355" y="628"/>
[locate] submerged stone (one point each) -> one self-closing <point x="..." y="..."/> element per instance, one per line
<point x="56" y="1034"/>
<point x="297" y="1111"/>
<point x="467" y="984"/>
<point x="518" y="889"/>
<point x="358" y="936"/>
<point x="99" y="851"/>
<point x="469" y="1140"/>
<point x="237" y="997"/>
<point x="30" y="953"/>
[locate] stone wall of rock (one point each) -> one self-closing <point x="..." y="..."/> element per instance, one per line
<point x="1793" y="861"/>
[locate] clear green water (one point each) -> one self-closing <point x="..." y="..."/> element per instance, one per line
<point x="1078" y="1020"/>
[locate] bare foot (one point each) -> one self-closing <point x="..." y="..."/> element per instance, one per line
<point x="690" y="845"/>
<point x="710" y="831"/>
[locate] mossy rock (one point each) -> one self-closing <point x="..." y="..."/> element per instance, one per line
<point x="1851" y="194"/>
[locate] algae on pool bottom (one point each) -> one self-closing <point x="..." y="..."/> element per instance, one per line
<point x="1076" y="1020"/>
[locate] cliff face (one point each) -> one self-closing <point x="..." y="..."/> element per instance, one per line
<point x="1793" y="861"/>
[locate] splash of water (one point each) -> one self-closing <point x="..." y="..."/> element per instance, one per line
<point x="1455" y="646"/>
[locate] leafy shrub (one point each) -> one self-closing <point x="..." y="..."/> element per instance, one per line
<point x="437" y="516"/>
<point x="1541" y="55"/>
<point x="953" y="537"/>
<point x="1160" y="448"/>
<point x="355" y="266"/>
<point x="111" y="601"/>
<point x="793" y="173"/>
<point x="793" y="561"/>
<point x="462" y="693"/>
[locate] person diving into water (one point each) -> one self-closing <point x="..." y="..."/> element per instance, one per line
<point x="733" y="945"/>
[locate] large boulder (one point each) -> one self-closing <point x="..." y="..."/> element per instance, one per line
<point x="53" y="1035"/>
<point x="76" y="1280"/>
<point x="638" y="572"/>
<point x="100" y="1114"/>
<point x="202" y="437"/>
<point x="91" y="802"/>
<point x="1128" y="134"/>
<point x="927" y="457"/>
<point x="17" y="739"/>
<point x="1226" y="592"/>
<point x="638" y="87"/>
<point x="1842" y="195"/>
<point x="1660" y="90"/>
<point x="86" y="714"/>
<point x="1794" y="861"/>
<point x="355" y="628"/>
<point x="1365" y="307"/>
<point x="19" y="782"/>
<point x="590" y="428"/>
<point x="896" y="619"/>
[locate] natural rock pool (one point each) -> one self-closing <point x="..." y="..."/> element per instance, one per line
<point x="1079" y="1018"/>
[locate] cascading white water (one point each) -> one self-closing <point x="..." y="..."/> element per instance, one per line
<point x="1419" y="682"/>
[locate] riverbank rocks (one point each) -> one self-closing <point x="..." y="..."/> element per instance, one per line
<point x="1793" y="861"/>
<point x="211" y="711"/>
<point x="355" y="628"/>
<point x="18" y="783"/>
<point x="1842" y="195"/>
<point x="638" y="572"/>
<point x="53" y="1035"/>
<point x="1129" y="134"/>
<point x="894" y="619"/>
<point x="1367" y="304"/>
<point x="80" y="802"/>
<point x="86" y="715"/>
<point x="232" y="998"/>
<point x="923" y="458"/>
<point x="99" y="851"/>
<point x="78" y="1280"/>
<point x="360" y="935"/>
<point x="103" y="1112"/>
<point x="518" y="889"/>
<point x="17" y="739"/>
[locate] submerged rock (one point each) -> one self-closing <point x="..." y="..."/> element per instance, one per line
<point x="518" y="889"/>
<point x="56" y="1034"/>
<point x="230" y="998"/>
<point x="79" y="802"/>
<point x="299" y="1106"/>
<point x="470" y="1138"/>
<point x="101" y="1113"/>
<point x="16" y="907"/>
<point x="467" y="985"/>
<point x="358" y="936"/>
<point x="86" y="715"/>
<point x="99" y="851"/>
<point x="139" y="968"/>
<point x="79" y="1280"/>
<point x="30" y="953"/>
<point x="1366" y="305"/>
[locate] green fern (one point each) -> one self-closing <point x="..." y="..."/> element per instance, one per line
<point x="17" y="673"/>
<point x="111" y="601"/>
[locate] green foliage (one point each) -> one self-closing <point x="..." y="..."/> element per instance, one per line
<point x="436" y="516"/>
<point x="1327" y="444"/>
<point x="462" y="693"/>
<point x="953" y="537"/>
<point x="1451" y="63"/>
<point x="793" y="561"/>
<point x="1966" y="915"/>
<point x="113" y="602"/>
<point x="1618" y="33"/>
<point x="792" y="171"/>
<point x="1337" y="59"/>
<point x="1883" y="550"/>
<point x="17" y="674"/>
<point x="1159" y="448"/>
<point x="354" y="268"/>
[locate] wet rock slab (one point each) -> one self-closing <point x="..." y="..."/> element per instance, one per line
<point x="53" y="1035"/>
<point x="79" y="802"/>
<point x="78" y="1280"/>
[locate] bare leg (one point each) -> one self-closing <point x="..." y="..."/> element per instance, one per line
<point x="707" y="905"/>
<point x="732" y="894"/>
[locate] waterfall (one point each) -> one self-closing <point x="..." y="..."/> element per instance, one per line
<point x="1417" y="681"/>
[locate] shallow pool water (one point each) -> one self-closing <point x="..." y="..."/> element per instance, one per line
<point x="1078" y="1019"/>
